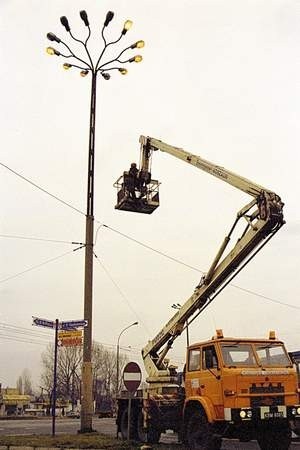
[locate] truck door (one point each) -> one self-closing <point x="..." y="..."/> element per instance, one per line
<point x="210" y="380"/>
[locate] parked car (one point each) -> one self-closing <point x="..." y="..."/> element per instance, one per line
<point x="73" y="414"/>
<point x="104" y="407"/>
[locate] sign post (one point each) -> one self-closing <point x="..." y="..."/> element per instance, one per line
<point x="54" y="379"/>
<point x="132" y="377"/>
<point x="67" y="339"/>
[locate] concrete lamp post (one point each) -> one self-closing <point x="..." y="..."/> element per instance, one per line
<point x="88" y="66"/>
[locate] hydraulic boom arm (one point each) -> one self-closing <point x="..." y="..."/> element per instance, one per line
<point x="264" y="217"/>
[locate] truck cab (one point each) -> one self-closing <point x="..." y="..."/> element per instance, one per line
<point x="242" y="385"/>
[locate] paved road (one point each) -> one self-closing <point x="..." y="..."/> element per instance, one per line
<point x="105" y="426"/>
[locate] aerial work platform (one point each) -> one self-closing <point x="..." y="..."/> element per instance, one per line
<point x="134" y="196"/>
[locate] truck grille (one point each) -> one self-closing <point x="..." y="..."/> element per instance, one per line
<point x="271" y="400"/>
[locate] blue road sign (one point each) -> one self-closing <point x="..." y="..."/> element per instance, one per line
<point x="43" y="322"/>
<point x="71" y="324"/>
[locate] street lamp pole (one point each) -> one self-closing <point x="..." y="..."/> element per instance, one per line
<point x="87" y="374"/>
<point x="103" y="68"/>
<point x="118" y="356"/>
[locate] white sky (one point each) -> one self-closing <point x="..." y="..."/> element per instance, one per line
<point x="220" y="79"/>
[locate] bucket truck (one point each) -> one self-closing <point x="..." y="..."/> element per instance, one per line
<point x="232" y="387"/>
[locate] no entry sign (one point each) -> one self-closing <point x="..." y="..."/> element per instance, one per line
<point x="132" y="376"/>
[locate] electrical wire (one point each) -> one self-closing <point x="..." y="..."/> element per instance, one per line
<point x="20" y="334"/>
<point x="132" y="239"/>
<point x="42" y="189"/>
<point x="27" y="341"/>
<point x="8" y="236"/>
<point x="21" y="330"/>
<point x="198" y="270"/>
<point x="37" y="266"/>
<point x="151" y="248"/>
<point x="121" y="292"/>
<point x="265" y="297"/>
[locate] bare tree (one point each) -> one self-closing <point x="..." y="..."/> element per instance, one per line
<point x="24" y="383"/>
<point x="105" y="368"/>
<point x="27" y="382"/>
<point x="68" y="371"/>
<point x="69" y="363"/>
<point x="20" y="385"/>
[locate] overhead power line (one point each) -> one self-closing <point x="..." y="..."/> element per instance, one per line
<point x="152" y="249"/>
<point x="134" y="240"/>
<point x="20" y="334"/>
<point x="120" y="292"/>
<point x="196" y="269"/>
<point x="11" y="236"/>
<point x="37" y="266"/>
<point x="27" y="341"/>
<point x="265" y="297"/>
<point x="21" y="330"/>
<point x="42" y="189"/>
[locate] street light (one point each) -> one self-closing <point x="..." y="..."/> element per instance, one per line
<point x="88" y="66"/>
<point x="118" y="354"/>
<point x="178" y="306"/>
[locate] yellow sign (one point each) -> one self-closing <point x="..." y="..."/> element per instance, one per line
<point x="70" y="338"/>
<point x="69" y="334"/>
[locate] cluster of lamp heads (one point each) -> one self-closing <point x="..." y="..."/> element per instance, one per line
<point x="83" y="15"/>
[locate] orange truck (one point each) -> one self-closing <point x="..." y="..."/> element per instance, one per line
<point x="230" y="387"/>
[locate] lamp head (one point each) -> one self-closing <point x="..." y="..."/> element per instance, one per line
<point x="137" y="59"/>
<point x="106" y="76"/>
<point x="67" y="66"/>
<point x="84" y="17"/>
<point x="51" y="51"/>
<point x="138" y="44"/>
<point x="127" y="26"/>
<point x="109" y="17"/>
<point x="53" y="37"/>
<point x="65" y="23"/>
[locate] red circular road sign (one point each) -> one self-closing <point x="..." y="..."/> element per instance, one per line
<point x="132" y="376"/>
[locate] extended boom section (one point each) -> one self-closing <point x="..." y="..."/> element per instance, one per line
<point x="263" y="217"/>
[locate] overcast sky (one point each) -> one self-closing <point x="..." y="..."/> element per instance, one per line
<point x="220" y="79"/>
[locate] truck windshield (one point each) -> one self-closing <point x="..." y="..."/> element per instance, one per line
<point x="272" y="355"/>
<point x="237" y="354"/>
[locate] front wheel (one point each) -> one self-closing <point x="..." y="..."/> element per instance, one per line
<point x="199" y="433"/>
<point x="274" y="438"/>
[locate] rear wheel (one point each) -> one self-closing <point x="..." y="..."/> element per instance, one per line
<point x="199" y="433"/>
<point x="274" y="438"/>
<point x="150" y="435"/>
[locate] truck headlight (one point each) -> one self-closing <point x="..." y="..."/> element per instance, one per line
<point x="243" y="414"/>
<point x="298" y="410"/>
<point x="249" y="414"/>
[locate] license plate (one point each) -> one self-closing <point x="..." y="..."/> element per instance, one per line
<point x="273" y="415"/>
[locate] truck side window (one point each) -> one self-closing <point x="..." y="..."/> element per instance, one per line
<point x="194" y="359"/>
<point x="209" y="358"/>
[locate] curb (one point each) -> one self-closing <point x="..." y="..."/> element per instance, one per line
<point x="22" y="447"/>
